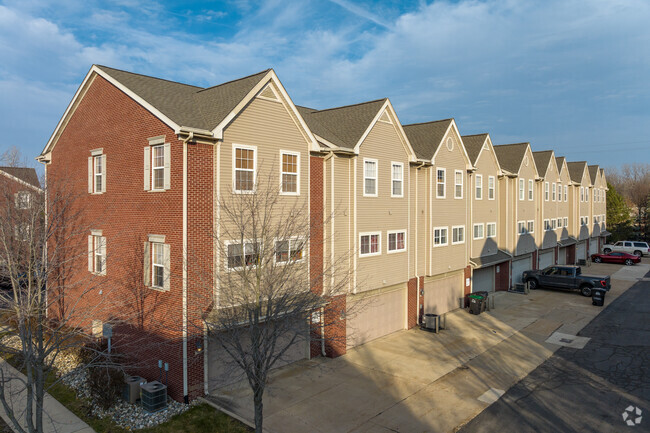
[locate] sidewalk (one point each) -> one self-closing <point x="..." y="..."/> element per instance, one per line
<point x="418" y="381"/>
<point x="56" y="417"/>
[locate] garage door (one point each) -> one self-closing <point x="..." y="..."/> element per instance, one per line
<point x="441" y="296"/>
<point x="483" y="279"/>
<point x="518" y="267"/>
<point x="375" y="316"/>
<point x="561" y="258"/>
<point x="581" y="251"/>
<point x="223" y="371"/>
<point x="593" y="246"/>
<point x="546" y="258"/>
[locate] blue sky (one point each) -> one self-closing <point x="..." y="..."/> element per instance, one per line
<point x="573" y="76"/>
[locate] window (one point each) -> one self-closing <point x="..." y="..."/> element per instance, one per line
<point x="553" y="224"/>
<point x="22" y="231"/>
<point x="370" y="177"/>
<point x="559" y="223"/>
<point x="586" y="194"/>
<point x="522" y="184"/>
<point x="289" y="172"/>
<point x="478" y="231"/>
<point x="245" y="161"/>
<point x="97" y="172"/>
<point x="156" y="263"/>
<point x="566" y="222"/>
<point x="289" y="250"/>
<point x="530" y="228"/>
<point x="157" y="159"/>
<point x="545" y="191"/>
<point x="97" y="253"/>
<point x="479" y="187"/>
<point x="547" y="224"/>
<point x="566" y="193"/>
<point x="559" y="192"/>
<point x="457" y="235"/>
<point x="491" y="193"/>
<point x="553" y="196"/>
<point x="23" y="200"/>
<point x="582" y="194"/>
<point x="158" y="166"/>
<point x="242" y="255"/>
<point x="491" y="229"/>
<point x="458" y="184"/>
<point x="521" y="227"/>
<point x="530" y="190"/>
<point x="440" y="183"/>
<point x="397" y="179"/>
<point x="595" y="220"/>
<point x="439" y="236"/>
<point x="370" y="244"/>
<point x="396" y="241"/>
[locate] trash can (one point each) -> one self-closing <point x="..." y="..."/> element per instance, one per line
<point x="477" y="302"/>
<point x="598" y="297"/>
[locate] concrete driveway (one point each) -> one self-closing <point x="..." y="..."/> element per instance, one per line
<point x="417" y="381"/>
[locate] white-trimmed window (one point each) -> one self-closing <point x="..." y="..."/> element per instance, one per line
<point x="97" y="172"/>
<point x="244" y="168"/>
<point x="547" y="224"/>
<point x="397" y="179"/>
<point x="22" y="231"/>
<point x="396" y="241"/>
<point x="530" y="226"/>
<point x="521" y="227"/>
<point x="290" y="172"/>
<point x="559" y="223"/>
<point x="522" y="186"/>
<point x="369" y="244"/>
<point x="479" y="187"/>
<point x="545" y="191"/>
<point x="458" y="184"/>
<point x="157" y="160"/>
<point x="156" y="263"/>
<point x="491" y="230"/>
<point x="441" y="183"/>
<point x="587" y="195"/>
<point x="23" y="200"/>
<point x="491" y="188"/>
<point x="243" y="254"/>
<point x="530" y="190"/>
<point x="553" y="224"/>
<point x="566" y="193"/>
<point x="559" y="192"/>
<point x="457" y="235"/>
<point x="97" y="253"/>
<point x="440" y="237"/>
<point x="582" y="194"/>
<point x="289" y="250"/>
<point x="553" y="195"/>
<point x="478" y="231"/>
<point x="566" y="222"/>
<point x="370" y="177"/>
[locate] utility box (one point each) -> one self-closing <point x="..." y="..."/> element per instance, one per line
<point x="153" y="396"/>
<point x="131" y="390"/>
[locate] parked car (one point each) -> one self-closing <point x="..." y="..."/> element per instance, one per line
<point x="565" y="277"/>
<point x="632" y="247"/>
<point x="616" y="257"/>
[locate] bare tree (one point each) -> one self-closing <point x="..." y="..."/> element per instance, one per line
<point x="267" y="299"/>
<point x="633" y="182"/>
<point x="12" y="157"/>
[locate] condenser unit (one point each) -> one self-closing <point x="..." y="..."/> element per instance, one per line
<point x="131" y="390"/>
<point x="153" y="396"/>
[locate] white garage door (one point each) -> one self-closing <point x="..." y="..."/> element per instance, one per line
<point x="581" y="251"/>
<point x="483" y="279"/>
<point x="375" y="316"/>
<point x="546" y="258"/>
<point x="561" y="258"/>
<point x="518" y="267"/>
<point x="593" y="246"/>
<point x="441" y="296"/>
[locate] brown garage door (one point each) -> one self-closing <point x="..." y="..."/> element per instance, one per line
<point x="443" y="295"/>
<point x="375" y="316"/>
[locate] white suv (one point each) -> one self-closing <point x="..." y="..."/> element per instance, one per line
<point x="632" y="247"/>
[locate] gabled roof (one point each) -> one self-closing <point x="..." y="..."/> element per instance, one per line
<point x="427" y="137"/>
<point x="511" y="156"/>
<point x="593" y="173"/>
<point x="25" y="174"/>
<point x="342" y="126"/>
<point x="576" y="170"/>
<point x="474" y="145"/>
<point x="559" y="160"/>
<point x="542" y="160"/>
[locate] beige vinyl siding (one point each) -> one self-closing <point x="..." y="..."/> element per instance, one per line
<point x="527" y="209"/>
<point x="584" y="208"/>
<point x="506" y="230"/>
<point x="339" y="211"/>
<point x="446" y="211"/>
<point x="382" y="213"/>
<point x="485" y="211"/>
<point x="550" y="208"/>
<point x="563" y="207"/>
<point x="420" y="215"/>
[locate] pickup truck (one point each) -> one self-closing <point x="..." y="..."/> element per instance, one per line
<point x="567" y="278"/>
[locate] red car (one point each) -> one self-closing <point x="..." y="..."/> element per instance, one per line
<point x="616" y="257"/>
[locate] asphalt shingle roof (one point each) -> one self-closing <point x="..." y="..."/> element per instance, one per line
<point x="593" y="173"/>
<point x="575" y="170"/>
<point x="23" y="173"/>
<point x="559" y="160"/>
<point x="187" y="105"/>
<point x="473" y="145"/>
<point x="510" y="156"/>
<point x="426" y="137"/>
<point x="542" y="159"/>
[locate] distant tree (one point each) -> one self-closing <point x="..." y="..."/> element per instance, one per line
<point x="618" y="215"/>
<point x="12" y="157"/>
<point x="633" y="182"/>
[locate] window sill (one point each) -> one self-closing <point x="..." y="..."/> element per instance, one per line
<point x="396" y="251"/>
<point x="156" y="190"/>
<point x="97" y="193"/>
<point x="290" y="194"/>
<point x="158" y="289"/>
<point x="369" y="255"/>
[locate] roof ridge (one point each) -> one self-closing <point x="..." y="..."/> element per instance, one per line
<point x="429" y="122"/>
<point x="235" y="80"/>
<point x="149" y="76"/>
<point x="474" y="135"/>
<point x="512" y="144"/>
<point x="542" y="151"/>
<point x="347" y="106"/>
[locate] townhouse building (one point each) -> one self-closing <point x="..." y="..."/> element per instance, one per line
<point x="490" y="263"/>
<point x="567" y="242"/>
<point x="551" y="197"/>
<point x="581" y="182"/>
<point x="519" y="202"/>
<point x="598" y="209"/>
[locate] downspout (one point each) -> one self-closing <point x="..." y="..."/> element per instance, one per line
<point x="186" y="397"/>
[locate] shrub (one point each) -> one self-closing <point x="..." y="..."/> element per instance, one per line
<point x="105" y="377"/>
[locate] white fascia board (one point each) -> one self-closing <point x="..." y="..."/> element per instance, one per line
<point x="372" y="123"/>
<point x="20" y="181"/>
<point x="398" y="124"/>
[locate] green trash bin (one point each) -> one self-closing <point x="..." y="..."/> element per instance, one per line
<point x="477" y="302"/>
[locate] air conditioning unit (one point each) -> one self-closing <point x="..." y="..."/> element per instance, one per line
<point x="153" y="396"/>
<point x="131" y="390"/>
